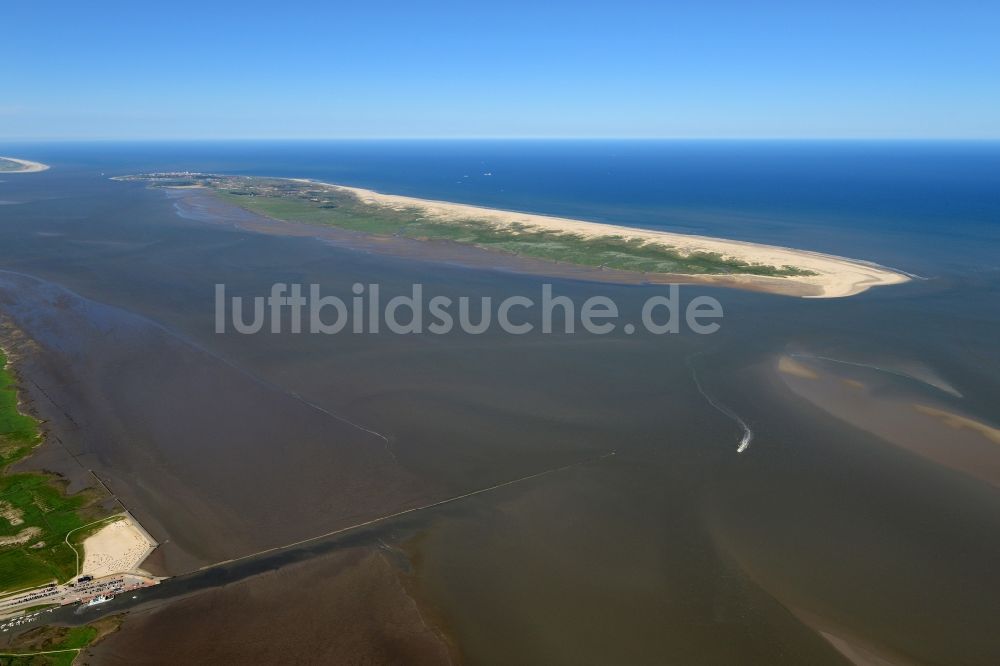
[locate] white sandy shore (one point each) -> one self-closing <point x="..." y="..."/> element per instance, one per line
<point x="27" y="166"/>
<point x="835" y="276"/>
<point x="120" y="546"/>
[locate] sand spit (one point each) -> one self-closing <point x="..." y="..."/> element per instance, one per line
<point x="834" y="276"/>
<point x="27" y="166"/>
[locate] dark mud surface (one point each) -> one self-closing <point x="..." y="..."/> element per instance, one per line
<point x="822" y="537"/>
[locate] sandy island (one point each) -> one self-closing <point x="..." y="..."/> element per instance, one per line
<point x="27" y="166"/>
<point x="834" y="276"/>
<point x="801" y="273"/>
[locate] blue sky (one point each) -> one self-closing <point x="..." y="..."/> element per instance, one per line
<point x="506" y="69"/>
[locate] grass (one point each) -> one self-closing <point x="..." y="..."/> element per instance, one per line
<point x="65" y="658"/>
<point x="64" y="642"/>
<point x="8" y="165"/>
<point x="18" y="432"/>
<point x="307" y="203"/>
<point x="33" y="506"/>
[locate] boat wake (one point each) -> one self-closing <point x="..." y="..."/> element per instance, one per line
<point x="747" y="432"/>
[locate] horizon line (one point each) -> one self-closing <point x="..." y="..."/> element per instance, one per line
<point x="502" y="138"/>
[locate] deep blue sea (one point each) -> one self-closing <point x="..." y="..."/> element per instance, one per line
<point x="927" y="207"/>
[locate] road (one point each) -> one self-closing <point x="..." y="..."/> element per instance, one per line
<point x="72" y="592"/>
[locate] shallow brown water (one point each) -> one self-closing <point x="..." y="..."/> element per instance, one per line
<point x="675" y="550"/>
<point x="347" y="608"/>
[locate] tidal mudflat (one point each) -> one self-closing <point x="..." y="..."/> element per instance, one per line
<point x="825" y="537"/>
<point x="348" y="607"/>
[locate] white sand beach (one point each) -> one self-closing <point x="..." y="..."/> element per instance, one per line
<point x="834" y="276"/>
<point x="118" y="547"/>
<point x="27" y="166"/>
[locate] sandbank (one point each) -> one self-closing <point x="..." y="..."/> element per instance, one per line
<point x="833" y="276"/>
<point x="27" y="166"/>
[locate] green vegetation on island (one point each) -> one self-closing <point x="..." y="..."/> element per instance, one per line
<point x="314" y="203"/>
<point x="9" y="165"/>
<point x="36" y="514"/>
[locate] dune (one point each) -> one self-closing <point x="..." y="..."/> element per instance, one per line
<point x="832" y="277"/>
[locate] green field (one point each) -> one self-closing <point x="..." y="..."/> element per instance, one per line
<point x="7" y="165"/>
<point x="18" y="432"/>
<point x="35" y="512"/>
<point x="64" y="643"/>
<point x="311" y="203"/>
